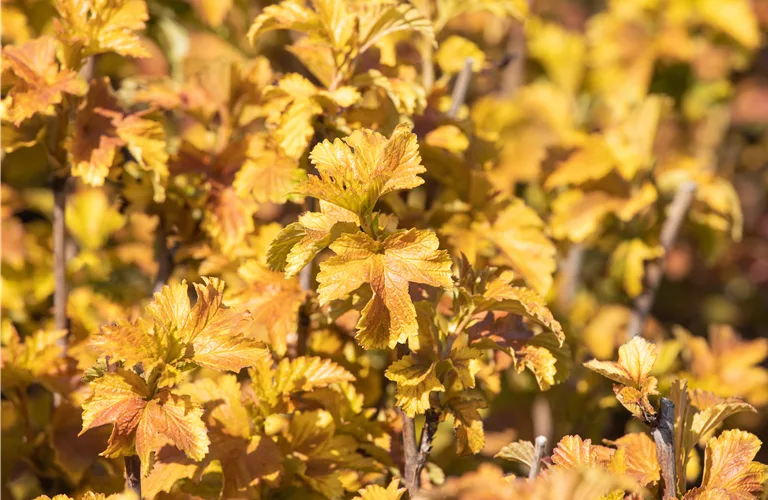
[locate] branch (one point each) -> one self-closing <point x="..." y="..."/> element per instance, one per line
<point x="60" y="255"/>
<point x="643" y="303"/>
<point x="664" y="436"/>
<point x="460" y="89"/>
<point x="571" y="275"/>
<point x="133" y="474"/>
<point x="163" y="256"/>
<point x="411" y="454"/>
<point x="538" y="453"/>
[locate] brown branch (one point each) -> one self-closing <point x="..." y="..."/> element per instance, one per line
<point x="133" y="474"/>
<point x="411" y="454"/>
<point x="60" y="255"/>
<point x="162" y="255"/>
<point x="664" y="436"/>
<point x="571" y="275"/>
<point x="538" y="453"/>
<point x="460" y="88"/>
<point x="654" y="272"/>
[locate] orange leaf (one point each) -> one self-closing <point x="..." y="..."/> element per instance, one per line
<point x="39" y="84"/>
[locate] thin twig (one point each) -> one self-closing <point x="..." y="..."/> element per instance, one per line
<point x="411" y="454"/>
<point x="570" y="277"/>
<point x="60" y="255"/>
<point x="460" y="89"/>
<point x="541" y="414"/>
<point x="163" y="256"/>
<point x="539" y="448"/>
<point x="427" y="66"/>
<point x="664" y="436"/>
<point x="643" y="303"/>
<point x="133" y="474"/>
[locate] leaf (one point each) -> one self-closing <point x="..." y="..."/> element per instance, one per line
<point x="376" y="492"/>
<point x="466" y="364"/>
<point x="40" y="85"/>
<point x="119" y="399"/>
<point x="641" y="460"/>
<point x="729" y="471"/>
<point x="468" y="424"/>
<point x="353" y="174"/>
<point x="144" y="138"/>
<point x="273" y="302"/>
<point x="628" y="261"/>
<point x="267" y="174"/>
<point x="34" y="359"/>
<point x="171" y="419"/>
<point x="636" y="359"/>
<point x="573" y="452"/>
<point x="223" y="403"/>
<point x="735" y="18"/>
<point x="453" y="53"/>
<point x="94" y="143"/>
<point x="100" y="26"/>
<point x="273" y="385"/>
<point x="225" y="351"/>
<point x="379" y="19"/>
<point x="388" y="266"/>
<point x="713" y="410"/>
<point x="298" y="243"/>
<point x="519" y="233"/>
<point x="91" y="219"/>
<point x="285" y="15"/>
<point x="518" y="451"/>
<point x="501" y="296"/>
<point x="416" y="379"/>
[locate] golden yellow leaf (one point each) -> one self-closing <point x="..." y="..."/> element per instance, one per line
<point x="387" y="266"/>
<point x="273" y="302"/>
<point x="453" y="53"/>
<point x="376" y="492"/>
<point x="223" y="395"/>
<point x="735" y="18"/>
<point x="729" y="471"/>
<point x="468" y="424"/>
<point x="573" y="452"/>
<point x="91" y="219"/>
<point x="39" y="84"/>
<point x="592" y="161"/>
<point x="299" y="242"/>
<point x="94" y="143"/>
<point x="267" y="174"/>
<point x="466" y="364"/>
<point x="171" y="419"/>
<point x="519" y="233"/>
<point x="642" y="463"/>
<point x="560" y="51"/>
<point x="416" y="380"/>
<point x="628" y="262"/>
<point x="119" y="399"/>
<point x="728" y="365"/>
<point x="144" y="138"/>
<point x="518" y="451"/>
<point x="366" y="166"/>
<point x="499" y="295"/>
<point x="31" y="360"/>
<point x="212" y="12"/>
<point x="274" y="386"/>
<point x="100" y="26"/>
<point x="606" y="330"/>
<point x="449" y="137"/>
<point x="636" y="359"/>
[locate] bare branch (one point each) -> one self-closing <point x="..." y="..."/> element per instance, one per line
<point x="163" y="256"/>
<point x="60" y="255"/>
<point x="643" y="303"/>
<point x="539" y="448"/>
<point x="133" y="474"/>
<point x="411" y="454"/>
<point x="664" y="436"/>
<point x="460" y="89"/>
